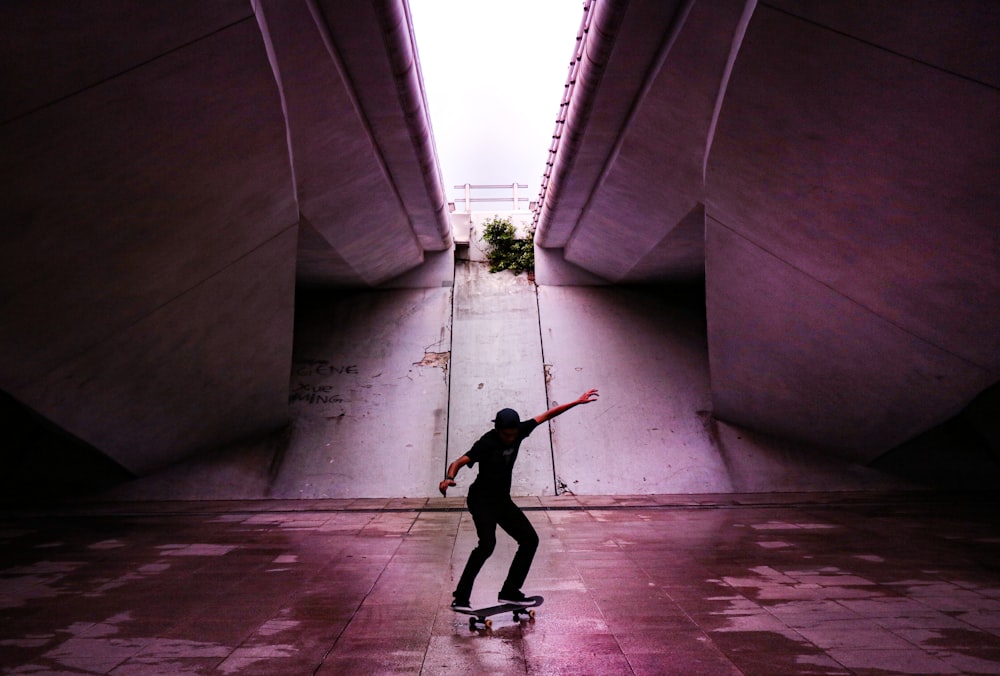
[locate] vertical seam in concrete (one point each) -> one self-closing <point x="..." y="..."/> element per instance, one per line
<point x="545" y="384"/>
<point x="448" y="375"/>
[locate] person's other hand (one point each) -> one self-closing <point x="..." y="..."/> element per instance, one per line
<point x="443" y="486"/>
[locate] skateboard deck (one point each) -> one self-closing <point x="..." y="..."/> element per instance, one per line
<point x="479" y="617"/>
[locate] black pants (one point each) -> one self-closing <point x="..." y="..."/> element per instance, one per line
<point x="488" y="513"/>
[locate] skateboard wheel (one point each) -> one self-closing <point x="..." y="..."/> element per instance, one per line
<point x="531" y="614"/>
<point x="488" y="623"/>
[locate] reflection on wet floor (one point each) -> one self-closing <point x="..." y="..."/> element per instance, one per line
<point x="819" y="584"/>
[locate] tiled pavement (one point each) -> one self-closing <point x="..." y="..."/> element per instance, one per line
<point x="765" y="584"/>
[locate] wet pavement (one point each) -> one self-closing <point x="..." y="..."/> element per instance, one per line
<point x="711" y="584"/>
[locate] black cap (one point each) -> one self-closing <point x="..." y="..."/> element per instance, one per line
<point x="506" y="419"/>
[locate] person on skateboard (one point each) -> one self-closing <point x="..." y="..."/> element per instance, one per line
<point x="490" y="503"/>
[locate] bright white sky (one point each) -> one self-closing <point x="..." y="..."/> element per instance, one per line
<point x="494" y="72"/>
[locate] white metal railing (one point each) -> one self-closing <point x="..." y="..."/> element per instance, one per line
<point x="514" y="199"/>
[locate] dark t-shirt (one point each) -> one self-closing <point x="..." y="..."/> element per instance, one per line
<point x="496" y="461"/>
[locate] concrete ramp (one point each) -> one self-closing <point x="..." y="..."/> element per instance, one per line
<point x="498" y="364"/>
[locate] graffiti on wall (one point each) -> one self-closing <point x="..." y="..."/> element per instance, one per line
<point x="309" y="383"/>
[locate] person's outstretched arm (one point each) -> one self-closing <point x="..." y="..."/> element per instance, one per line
<point x="453" y="468"/>
<point x="585" y="398"/>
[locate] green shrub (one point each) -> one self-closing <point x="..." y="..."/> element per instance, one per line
<point x="505" y="251"/>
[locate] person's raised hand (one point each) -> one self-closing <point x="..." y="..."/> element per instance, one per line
<point x="588" y="397"/>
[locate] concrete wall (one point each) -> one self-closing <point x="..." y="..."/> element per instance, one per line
<point x="832" y="171"/>
<point x="626" y="203"/>
<point x="173" y="169"/>
<point x="170" y="168"/>
<point x="367" y="181"/>
<point x="129" y="287"/>
<point x="853" y="250"/>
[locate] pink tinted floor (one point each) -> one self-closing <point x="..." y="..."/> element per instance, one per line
<point x="764" y="584"/>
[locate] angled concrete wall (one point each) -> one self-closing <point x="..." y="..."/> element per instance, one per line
<point x="831" y="169"/>
<point x="626" y="191"/>
<point x="170" y="169"/>
<point x="853" y="252"/>
<point x="366" y="174"/>
<point x="129" y="287"/>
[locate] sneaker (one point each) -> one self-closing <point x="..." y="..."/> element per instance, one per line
<point x="514" y="597"/>
<point x="461" y="604"/>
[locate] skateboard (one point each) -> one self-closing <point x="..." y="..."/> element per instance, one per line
<point x="479" y="618"/>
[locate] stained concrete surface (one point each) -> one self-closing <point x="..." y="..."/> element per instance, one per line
<point x="654" y="430"/>
<point x="389" y="386"/>
<point x="712" y="584"/>
<point x="498" y="364"/>
<point x="647" y="354"/>
<point x="369" y="395"/>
